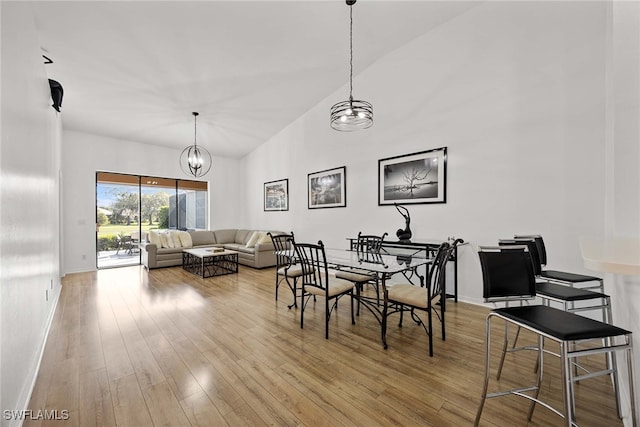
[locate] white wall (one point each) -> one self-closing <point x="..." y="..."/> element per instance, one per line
<point x="515" y="90"/>
<point x="85" y="154"/>
<point x="623" y="159"/>
<point x="29" y="220"/>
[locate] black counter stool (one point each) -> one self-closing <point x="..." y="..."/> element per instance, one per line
<point x="562" y="277"/>
<point x="508" y="275"/>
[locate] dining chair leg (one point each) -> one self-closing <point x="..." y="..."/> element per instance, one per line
<point x="383" y="323"/>
<point x="327" y="313"/>
<point x="444" y="302"/>
<point x="302" y="306"/>
<point x="353" y="319"/>
<point x="294" y="289"/>
<point x="430" y="320"/>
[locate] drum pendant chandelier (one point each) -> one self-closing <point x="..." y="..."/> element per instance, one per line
<point x="194" y="160"/>
<point x="352" y="114"/>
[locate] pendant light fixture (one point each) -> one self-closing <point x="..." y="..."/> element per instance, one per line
<point x="352" y="114"/>
<point x="194" y="160"/>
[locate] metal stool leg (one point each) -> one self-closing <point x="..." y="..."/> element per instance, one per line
<point x="487" y="368"/>
<point x="567" y="384"/>
<point x="540" y="372"/>
<point x="632" y="396"/>
<point x="504" y="348"/>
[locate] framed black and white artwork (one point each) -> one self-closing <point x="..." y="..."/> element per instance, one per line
<point x="276" y="195"/>
<point x="328" y="188"/>
<point x="413" y="178"/>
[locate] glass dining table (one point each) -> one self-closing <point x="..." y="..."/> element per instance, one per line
<point x="382" y="266"/>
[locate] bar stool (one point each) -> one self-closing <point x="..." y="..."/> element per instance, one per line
<point x="561" y="277"/>
<point x="508" y="275"/>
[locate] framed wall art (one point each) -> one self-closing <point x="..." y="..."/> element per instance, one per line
<point x="276" y="195"/>
<point x="328" y="188"/>
<point x="413" y="178"/>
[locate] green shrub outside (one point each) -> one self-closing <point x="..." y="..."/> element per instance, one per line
<point x="107" y="243"/>
<point x="102" y="218"/>
<point x="163" y="217"/>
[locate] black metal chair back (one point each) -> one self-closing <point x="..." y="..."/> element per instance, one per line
<point x="369" y="246"/>
<point x="369" y="243"/>
<point x="283" y="248"/>
<point x="312" y="260"/>
<point x="436" y="279"/>
<point x="507" y="273"/>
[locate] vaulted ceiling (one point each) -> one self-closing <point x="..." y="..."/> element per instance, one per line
<point x="136" y="70"/>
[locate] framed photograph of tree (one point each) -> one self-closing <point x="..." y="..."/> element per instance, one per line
<point x="328" y="188"/>
<point x="413" y="178"/>
<point x="276" y="195"/>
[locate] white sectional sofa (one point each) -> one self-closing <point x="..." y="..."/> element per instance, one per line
<point x="254" y="247"/>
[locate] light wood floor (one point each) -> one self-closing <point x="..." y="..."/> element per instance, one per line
<point x="134" y="348"/>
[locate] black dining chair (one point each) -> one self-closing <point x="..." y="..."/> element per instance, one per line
<point x="368" y="249"/>
<point x="508" y="275"/>
<point x="316" y="281"/>
<point x="429" y="297"/>
<point x="286" y="270"/>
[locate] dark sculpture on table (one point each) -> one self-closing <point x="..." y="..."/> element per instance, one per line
<point x="404" y="235"/>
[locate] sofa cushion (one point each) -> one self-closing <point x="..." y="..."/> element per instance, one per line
<point x="154" y="238"/>
<point x="202" y="237"/>
<point x="174" y="239"/>
<point x="164" y="240"/>
<point x="225" y="236"/>
<point x="239" y="247"/>
<point x="265" y="238"/>
<point x="242" y="236"/>
<point x="253" y="239"/>
<point x="185" y="239"/>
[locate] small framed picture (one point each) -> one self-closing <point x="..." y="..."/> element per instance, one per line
<point x="328" y="188"/>
<point x="276" y="195"/>
<point x="413" y="178"/>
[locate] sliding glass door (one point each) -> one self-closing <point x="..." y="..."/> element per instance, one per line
<point x="117" y="219"/>
<point x="128" y="206"/>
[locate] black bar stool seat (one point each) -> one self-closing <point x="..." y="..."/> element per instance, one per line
<point x="566" y="293"/>
<point x="564" y="276"/>
<point x="558" y="324"/>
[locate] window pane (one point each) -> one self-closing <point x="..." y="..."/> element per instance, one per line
<point x="192" y="209"/>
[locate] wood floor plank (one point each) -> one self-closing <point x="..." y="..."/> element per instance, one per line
<point x="130" y="347"/>
<point x="163" y="406"/>
<point x="128" y="402"/>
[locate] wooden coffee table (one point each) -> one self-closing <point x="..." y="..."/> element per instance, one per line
<point x="205" y="262"/>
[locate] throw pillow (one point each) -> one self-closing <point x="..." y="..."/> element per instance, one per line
<point x="185" y="239"/>
<point x="264" y="239"/>
<point x="174" y="237"/>
<point x="253" y="239"/>
<point x="154" y="238"/>
<point x="164" y="238"/>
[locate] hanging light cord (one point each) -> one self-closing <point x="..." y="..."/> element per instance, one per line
<point x="350" y="53"/>
<point x="195" y="129"/>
